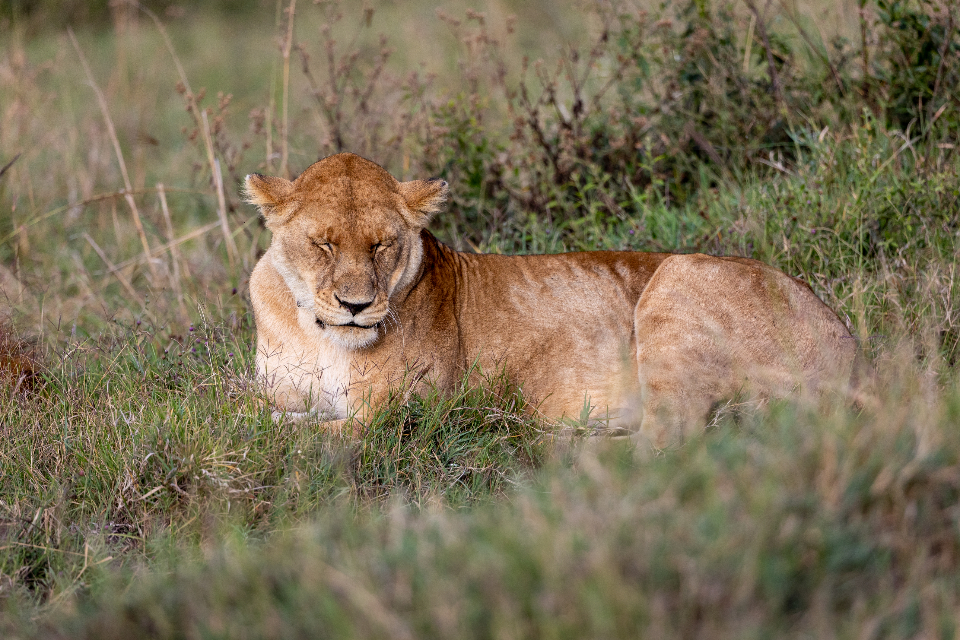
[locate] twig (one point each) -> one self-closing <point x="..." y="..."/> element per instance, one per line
<point x="7" y="166"/>
<point x="862" y="15"/>
<point x="287" y="45"/>
<point x="762" y="29"/>
<point x="795" y="19"/>
<point x="116" y="147"/>
<point x="112" y="269"/>
<point x="200" y="117"/>
<point x="776" y="165"/>
<point x="943" y="57"/>
<point x="749" y="44"/>
<point x="174" y="253"/>
<point x="222" y="208"/>
<point x="704" y="143"/>
<point x="80" y="203"/>
<point x="173" y="243"/>
<point x="273" y="99"/>
<point x="39" y="546"/>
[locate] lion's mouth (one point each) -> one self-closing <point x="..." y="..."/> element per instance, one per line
<point x="352" y="325"/>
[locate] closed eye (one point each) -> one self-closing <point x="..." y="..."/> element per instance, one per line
<point x="322" y="244"/>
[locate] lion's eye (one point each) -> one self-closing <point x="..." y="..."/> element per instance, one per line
<point x="377" y="248"/>
<point x="322" y="244"/>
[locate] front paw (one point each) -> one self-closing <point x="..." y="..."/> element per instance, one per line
<point x="293" y="416"/>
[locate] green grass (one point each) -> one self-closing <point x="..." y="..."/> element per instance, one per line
<point x="785" y="523"/>
<point x="145" y="490"/>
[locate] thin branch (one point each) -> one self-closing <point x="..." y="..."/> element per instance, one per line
<point x="111" y="268"/>
<point x="200" y="116"/>
<point x="943" y="59"/>
<point x="222" y="207"/>
<point x="116" y="147"/>
<point x="7" y="166"/>
<point x="864" y="50"/>
<point x="795" y="19"/>
<point x="173" y="243"/>
<point x="273" y="98"/>
<point x="174" y="253"/>
<point x="762" y="30"/>
<point x="80" y="203"/>
<point x="284" y="141"/>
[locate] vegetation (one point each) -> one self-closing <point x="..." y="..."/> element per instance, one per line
<point x="145" y="489"/>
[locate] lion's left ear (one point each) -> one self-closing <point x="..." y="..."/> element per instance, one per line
<point x="424" y="198"/>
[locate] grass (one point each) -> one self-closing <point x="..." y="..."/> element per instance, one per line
<point x="145" y="489"/>
<point x="787" y="522"/>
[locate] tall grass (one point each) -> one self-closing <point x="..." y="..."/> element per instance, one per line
<point x="785" y="522"/>
<point x="145" y="489"/>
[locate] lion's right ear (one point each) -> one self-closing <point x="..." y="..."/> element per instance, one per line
<point x="274" y="196"/>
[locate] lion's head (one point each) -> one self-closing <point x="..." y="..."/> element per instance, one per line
<point x="346" y="237"/>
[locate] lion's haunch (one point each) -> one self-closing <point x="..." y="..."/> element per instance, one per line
<point x="651" y="340"/>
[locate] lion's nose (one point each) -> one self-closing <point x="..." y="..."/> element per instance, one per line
<point x="353" y="307"/>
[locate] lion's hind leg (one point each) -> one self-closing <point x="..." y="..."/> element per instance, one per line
<point x="681" y="376"/>
<point x="710" y="328"/>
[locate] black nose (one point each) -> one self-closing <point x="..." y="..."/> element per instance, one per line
<point x="354" y="307"/>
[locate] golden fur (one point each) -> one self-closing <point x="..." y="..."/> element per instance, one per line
<point x="354" y="297"/>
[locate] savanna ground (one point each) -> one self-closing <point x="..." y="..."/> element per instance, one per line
<point x="145" y="490"/>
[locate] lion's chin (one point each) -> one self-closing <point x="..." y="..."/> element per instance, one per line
<point x="352" y="336"/>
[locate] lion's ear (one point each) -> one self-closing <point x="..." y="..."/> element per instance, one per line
<point x="274" y="196"/>
<point x="424" y="198"/>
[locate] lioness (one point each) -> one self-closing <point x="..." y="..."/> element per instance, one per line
<point x="355" y="296"/>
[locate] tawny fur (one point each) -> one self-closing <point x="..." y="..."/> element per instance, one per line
<point x="650" y="340"/>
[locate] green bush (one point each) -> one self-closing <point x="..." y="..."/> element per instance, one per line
<point x="917" y="65"/>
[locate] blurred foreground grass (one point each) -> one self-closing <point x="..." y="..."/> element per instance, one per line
<point x="144" y="489"/>
<point x="193" y="515"/>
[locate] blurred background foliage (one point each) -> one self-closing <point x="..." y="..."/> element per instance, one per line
<point x="37" y="16"/>
<point x="570" y="125"/>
